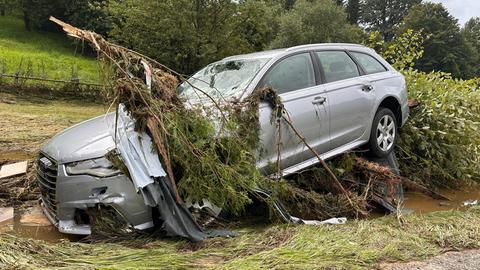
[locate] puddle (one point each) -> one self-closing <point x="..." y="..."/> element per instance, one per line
<point x="33" y="224"/>
<point x="422" y="203"/>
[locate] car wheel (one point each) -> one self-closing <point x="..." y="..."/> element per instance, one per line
<point x="384" y="133"/>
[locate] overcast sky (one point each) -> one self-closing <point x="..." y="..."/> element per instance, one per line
<point x="463" y="10"/>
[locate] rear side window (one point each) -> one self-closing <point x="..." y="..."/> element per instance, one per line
<point x="369" y="64"/>
<point x="337" y="65"/>
<point x="292" y="73"/>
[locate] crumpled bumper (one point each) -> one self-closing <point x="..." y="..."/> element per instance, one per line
<point x="72" y="194"/>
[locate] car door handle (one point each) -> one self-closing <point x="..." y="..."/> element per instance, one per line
<point x="367" y="88"/>
<point x="319" y="100"/>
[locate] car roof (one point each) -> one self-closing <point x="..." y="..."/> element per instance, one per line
<point x="276" y="52"/>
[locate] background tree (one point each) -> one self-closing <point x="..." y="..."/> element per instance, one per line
<point x="385" y="15"/>
<point x="353" y="11"/>
<point x="87" y="14"/>
<point x="187" y="35"/>
<point x="3" y="7"/>
<point x="446" y="49"/>
<point x="314" y="22"/>
<point x="471" y="32"/>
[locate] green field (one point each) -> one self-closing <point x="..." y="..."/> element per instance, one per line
<point x="52" y="55"/>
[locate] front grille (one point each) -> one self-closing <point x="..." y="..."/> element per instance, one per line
<point x="47" y="181"/>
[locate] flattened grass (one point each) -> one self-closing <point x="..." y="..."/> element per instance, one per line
<point x="27" y="122"/>
<point x="361" y="244"/>
<point x="51" y="54"/>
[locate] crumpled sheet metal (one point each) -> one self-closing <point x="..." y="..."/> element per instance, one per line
<point x="136" y="151"/>
<point x="149" y="178"/>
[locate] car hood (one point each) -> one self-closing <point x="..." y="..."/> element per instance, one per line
<point x="86" y="140"/>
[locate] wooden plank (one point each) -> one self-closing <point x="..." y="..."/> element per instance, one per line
<point x="13" y="169"/>
<point x="6" y="213"/>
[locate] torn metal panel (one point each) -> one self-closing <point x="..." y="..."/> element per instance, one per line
<point x="137" y="152"/>
<point x="149" y="178"/>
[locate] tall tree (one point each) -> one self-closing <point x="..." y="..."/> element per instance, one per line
<point x="471" y="31"/>
<point x="82" y="13"/>
<point x="385" y="15"/>
<point x="353" y="11"/>
<point x="3" y="7"/>
<point x="186" y="35"/>
<point x="446" y="49"/>
<point x="314" y="22"/>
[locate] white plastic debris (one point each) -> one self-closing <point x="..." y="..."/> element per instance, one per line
<point x="13" y="169"/>
<point x="331" y="221"/>
<point x="470" y="203"/>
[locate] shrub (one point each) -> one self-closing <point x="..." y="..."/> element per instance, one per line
<point x="440" y="144"/>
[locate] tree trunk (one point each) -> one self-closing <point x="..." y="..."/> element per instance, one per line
<point x="27" y="21"/>
<point x="2" y="9"/>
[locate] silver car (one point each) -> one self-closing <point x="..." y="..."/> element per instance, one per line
<point x="339" y="96"/>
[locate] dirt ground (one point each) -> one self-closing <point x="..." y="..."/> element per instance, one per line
<point x="27" y="122"/>
<point x="458" y="260"/>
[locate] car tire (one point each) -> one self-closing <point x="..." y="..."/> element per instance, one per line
<point x="384" y="133"/>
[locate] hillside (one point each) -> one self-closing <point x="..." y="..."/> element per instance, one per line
<point x="51" y="55"/>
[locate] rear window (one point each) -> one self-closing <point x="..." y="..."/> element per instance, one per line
<point x="369" y="64"/>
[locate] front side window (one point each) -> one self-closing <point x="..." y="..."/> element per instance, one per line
<point x="337" y="65"/>
<point x="369" y="64"/>
<point x="290" y="74"/>
<point x="223" y="79"/>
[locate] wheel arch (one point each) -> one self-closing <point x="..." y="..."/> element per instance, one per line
<point x="392" y="103"/>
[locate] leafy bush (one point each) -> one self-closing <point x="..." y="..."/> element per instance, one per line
<point x="440" y="144"/>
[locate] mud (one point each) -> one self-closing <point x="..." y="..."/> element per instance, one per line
<point x="32" y="224"/>
<point x="422" y="203"/>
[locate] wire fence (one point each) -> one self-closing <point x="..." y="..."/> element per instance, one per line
<point x="18" y="77"/>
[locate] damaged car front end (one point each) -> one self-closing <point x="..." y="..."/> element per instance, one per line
<point x="74" y="175"/>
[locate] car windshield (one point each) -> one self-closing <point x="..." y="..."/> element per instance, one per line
<point x="225" y="79"/>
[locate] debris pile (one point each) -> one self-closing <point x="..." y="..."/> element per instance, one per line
<point x="17" y="183"/>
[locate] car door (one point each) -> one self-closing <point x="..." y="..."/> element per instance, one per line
<point x="349" y="96"/>
<point x="296" y="80"/>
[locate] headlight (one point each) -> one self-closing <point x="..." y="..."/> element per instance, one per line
<point x="99" y="167"/>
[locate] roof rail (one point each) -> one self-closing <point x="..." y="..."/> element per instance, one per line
<point x="306" y="46"/>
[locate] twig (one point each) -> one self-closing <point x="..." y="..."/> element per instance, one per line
<point x="327" y="168"/>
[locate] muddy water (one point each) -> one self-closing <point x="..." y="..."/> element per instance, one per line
<point x="422" y="203"/>
<point x="32" y="223"/>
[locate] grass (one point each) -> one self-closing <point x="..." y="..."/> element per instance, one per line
<point x="26" y="122"/>
<point x="50" y="54"/>
<point x="361" y="244"/>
